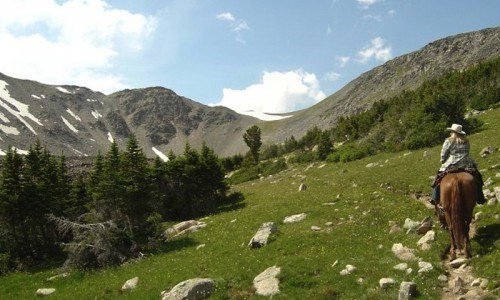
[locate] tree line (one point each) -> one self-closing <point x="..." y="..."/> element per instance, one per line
<point x="105" y="217"/>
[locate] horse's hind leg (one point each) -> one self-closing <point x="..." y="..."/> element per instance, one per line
<point x="468" y="247"/>
<point x="453" y="248"/>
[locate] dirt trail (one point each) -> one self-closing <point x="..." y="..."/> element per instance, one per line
<point x="460" y="282"/>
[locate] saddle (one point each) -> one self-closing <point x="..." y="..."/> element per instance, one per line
<point x="441" y="174"/>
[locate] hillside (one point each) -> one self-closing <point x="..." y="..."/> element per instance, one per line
<point x="404" y="73"/>
<point x="80" y="122"/>
<point x="354" y="206"/>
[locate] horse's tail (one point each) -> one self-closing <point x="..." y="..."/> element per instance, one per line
<point x="457" y="214"/>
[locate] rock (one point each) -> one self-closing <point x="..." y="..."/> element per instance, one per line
<point x="384" y="283"/>
<point x="329" y="224"/>
<point x="395" y="229"/>
<point x="410" y="225"/>
<point x="488" y="182"/>
<point x="424" y="267"/>
<point x="476" y="282"/>
<point x="349" y="269"/>
<point x="425" y="226"/>
<point x="58" y="276"/>
<point x="45" y="291"/>
<point x="130" y="284"/>
<point x="478" y="215"/>
<point x="266" y="284"/>
<point x="302" y="187"/>
<point x="443" y="278"/>
<point x="261" y="237"/>
<point x="191" y="289"/>
<point x="401" y="267"/>
<point x="371" y="165"/>
<point x="184" y="227"/>
<point x="486" y="151"/>
<point x="315" y="228"/>
<point x="497" y="193"/>
<point x="426" y="239"/>
<point x="200" y="246"/>
<point x="403" y="253"/>
<point x="456" y="286"/>
<point x="294" y="218"/>
<point x="409" y="271"/>
<point x="457" y="263"/>
<point x="407" y="290"/>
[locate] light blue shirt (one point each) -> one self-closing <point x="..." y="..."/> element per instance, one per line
<point x="456" y="156"/>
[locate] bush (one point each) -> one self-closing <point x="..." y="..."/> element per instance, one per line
<point x="4" y="263"/>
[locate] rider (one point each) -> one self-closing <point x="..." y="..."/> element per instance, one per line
<point x="455" y="157"/>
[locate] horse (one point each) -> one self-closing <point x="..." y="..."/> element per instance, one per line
<point x="458" y="198"/>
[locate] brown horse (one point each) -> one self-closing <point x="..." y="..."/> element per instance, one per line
<point x="458" y="198"/>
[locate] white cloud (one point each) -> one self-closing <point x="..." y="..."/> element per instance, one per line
<point x="332" y="76"/>
<point x="377" y="18"/>
<point x="365" y="4"/>
<point x="73" y="42"/>
<point x="225" y="17"/>
<point x="237" y="25"/>
<point x="342" y="60"/>
<point x="391" y="12"/>
<point x="377" y="50"/>
<point x="276" y="93"/>
<point x="328" y="30"/>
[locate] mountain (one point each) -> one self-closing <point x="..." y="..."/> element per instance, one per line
<point x="406" y="72"/>
<point x="77" y="121"/>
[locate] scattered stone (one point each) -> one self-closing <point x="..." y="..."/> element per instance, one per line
<point x="294" y="218"/>
<point x="407" y="290"/>
<point x="476" y="282"/>
<point x="261" y="237"/>
<point x="409" y="271"/>
<point x="315" y="228"/>
<point x="486" y="151"/>
<point x="192" y="289"/>
<point x="130" y="284"/>
<point x="426" y="240"/>
<point x="200" y="246"/>
<point x="403" y="253"/>
<point x="302" y="187"/>
<point x="233" y="220"/>
<point x="361" y="280"/>
<point x="478" y="215"/>
<point x="497" y="193"/>
<point x="329" y="224"/>
<point x="410" y="225"/>
<point x="62" y="275"/>
<point x="335" y="263"/>
<point x="45" y="291"/>
<point x="425" y="226"/>
<point x="185" y="227"/>
<point x="457" y="263"/>
<point x="456" y="286"/>
<point x="443" y="278"/>
<point x="384" y="283"/>
<point x="349" y="269"/>
<point x="424" y="267"/>
<point x="484" y="283"/>
<point x="401" y="267"/>
<point x="488" y="182"/>
<point x="266" y="284"/>
<point x="371" y="165"/>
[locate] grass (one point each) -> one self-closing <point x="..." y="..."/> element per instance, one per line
<point x="365" y="201"/>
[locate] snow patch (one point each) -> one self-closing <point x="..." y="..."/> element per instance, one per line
<point x="265" y="116"/>
<point x="22" y="109"/>
<point x="73" y="114"/>
<point x="2" y="153"/>
<point x="4" y="118"/>
<point x="9" y="129"/>
<point x="160" y="154"/>
<point x="36" y="97"/>
<point x="69" y="125"/>
<point x="96" y="114"/>
<point x="43" y="96"/>
<point x="61" y="89"/>
<point x="110" y="137"/>
<point x="20" y="151"/>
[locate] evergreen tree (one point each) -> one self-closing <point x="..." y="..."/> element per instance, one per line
<point x="252" y="138"/>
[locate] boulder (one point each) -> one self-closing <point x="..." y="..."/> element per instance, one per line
<point x="497" y="193"/>
<point x="191" y="289"/>
<point x="349" y="269"/>
<point x="130" y="284"/>
<point x="457" y="263"/>
<point x="486" y="151"/>
<point x="385" y="283"/>
<point x="427" y="239"/>
<point x="407" y="290"/>
<point x="424" y="267"/>
<point x="401" y="267"/>
<point x="403" y="253"/>
<point x="45" y="291"/>
<point x="266" y="283"/>
<point x="184" y="227"/>
<point x="294" y="218"/>
<point x="410" y="225"/>
<point x="302" y="187"/>
<point x="262" y="236"/>
<point x="425" y="226"/>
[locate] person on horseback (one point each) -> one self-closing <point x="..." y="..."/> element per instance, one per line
<point x="455" y="158"/>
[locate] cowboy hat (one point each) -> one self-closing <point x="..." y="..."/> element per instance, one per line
<point x="456" y="128"/>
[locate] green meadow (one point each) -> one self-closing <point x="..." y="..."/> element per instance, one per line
<point x="360" y="202"/>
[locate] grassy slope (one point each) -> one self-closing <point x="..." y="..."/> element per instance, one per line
<point x="359" y="236"/>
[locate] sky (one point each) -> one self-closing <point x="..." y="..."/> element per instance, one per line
<point x="260" y="56"/>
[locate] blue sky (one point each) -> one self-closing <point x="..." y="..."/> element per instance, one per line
<point x="266" y="56"/>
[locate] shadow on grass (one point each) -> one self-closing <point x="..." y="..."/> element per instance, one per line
<point x="234" y="201"/>
<point x="176" y="244"/>
<point x="486" y="237"/>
